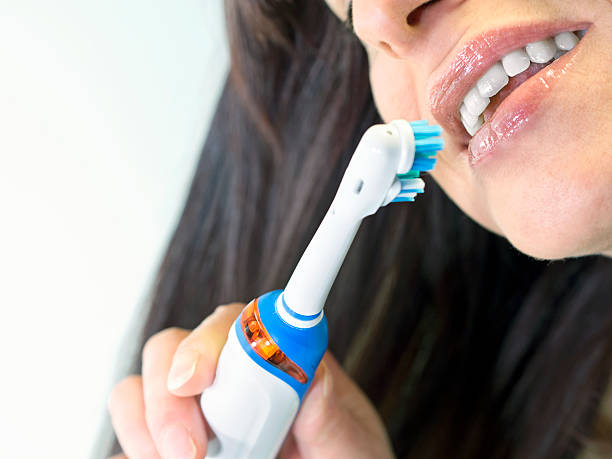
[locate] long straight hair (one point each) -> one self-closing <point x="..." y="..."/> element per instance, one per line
<point x="468" y="348"/>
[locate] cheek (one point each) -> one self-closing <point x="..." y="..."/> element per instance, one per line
<point x="553" y="212"/>
<point x="394" y="89"/>
<point x="460" y="187"/>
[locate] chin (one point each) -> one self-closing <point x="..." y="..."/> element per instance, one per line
<point x="547" y="247"/>
<point x="548" y="235"/>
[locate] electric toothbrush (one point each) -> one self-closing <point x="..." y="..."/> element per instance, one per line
<point x="275" y="345"/>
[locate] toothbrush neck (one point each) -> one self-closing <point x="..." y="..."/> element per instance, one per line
<point x="365" y="186"/>
<point x="316" y="271"/>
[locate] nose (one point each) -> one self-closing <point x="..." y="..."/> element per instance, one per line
<point x="388" y="25"/>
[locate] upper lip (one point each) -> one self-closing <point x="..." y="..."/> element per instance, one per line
<point x="476" y="56"/>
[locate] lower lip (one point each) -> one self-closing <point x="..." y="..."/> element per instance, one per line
<point x="516" y="112"/>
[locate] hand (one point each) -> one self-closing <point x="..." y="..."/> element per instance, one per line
<point x="157" y="415"/>
<point x="154" y="422"/>
<point x="336" y="420"/>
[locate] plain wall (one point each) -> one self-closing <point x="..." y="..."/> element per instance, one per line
<point x="104" y="107"/>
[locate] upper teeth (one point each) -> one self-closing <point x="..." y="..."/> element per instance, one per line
<point x="515" y="62"/>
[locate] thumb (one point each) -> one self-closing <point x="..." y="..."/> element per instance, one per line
<point x="337" y="419"/>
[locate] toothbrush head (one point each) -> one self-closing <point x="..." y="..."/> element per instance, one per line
<point x="426" y="142"/>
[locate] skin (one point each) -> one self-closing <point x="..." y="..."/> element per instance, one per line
<point x="157" y="414"/>
<point x="551" y="198"/>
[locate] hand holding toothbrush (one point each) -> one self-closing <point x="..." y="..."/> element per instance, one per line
<point x="160" y="410"/>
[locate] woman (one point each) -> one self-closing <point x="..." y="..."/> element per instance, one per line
<point x="463" y="347"/>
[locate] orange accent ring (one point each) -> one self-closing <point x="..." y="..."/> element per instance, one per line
<point x="261" y="342"/>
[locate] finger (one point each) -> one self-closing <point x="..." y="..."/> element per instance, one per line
<point x="289" y="450"/>
<point x="118" y="456"/>
<point x="195" y="361"/>
<point x="175" y="423"/>
<point x="126" y="407"/>
<point x="336" y="418"/>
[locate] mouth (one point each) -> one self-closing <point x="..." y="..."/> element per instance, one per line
<point x="476" y="100"/>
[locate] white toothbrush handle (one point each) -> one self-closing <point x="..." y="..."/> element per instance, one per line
<point x="249" y="410"/>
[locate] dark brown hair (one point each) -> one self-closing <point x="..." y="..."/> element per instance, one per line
<point x="468" y="348"/>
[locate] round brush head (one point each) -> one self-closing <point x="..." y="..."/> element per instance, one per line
<point x="427" y="143"/>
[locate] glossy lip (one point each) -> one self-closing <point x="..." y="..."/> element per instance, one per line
<point x="478" y="55"/>
<point x="516" y="111"/>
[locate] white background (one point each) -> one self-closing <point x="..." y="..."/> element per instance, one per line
<point x="103" y="110"/>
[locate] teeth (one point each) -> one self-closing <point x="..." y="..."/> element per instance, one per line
<point x="493" y="81"/>
<point x="468" y="117"/>
<point x="516" y="62"/>
<point x="475" y="103"/>
<point x="541" y="52"/>
<point x="472" y="128"/>
<point x="566" y="41"/>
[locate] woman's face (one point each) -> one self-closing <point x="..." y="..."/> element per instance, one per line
<point x="539" y="170"/>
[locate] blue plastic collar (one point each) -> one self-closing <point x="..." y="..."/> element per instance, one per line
<point x="304" y="346"/>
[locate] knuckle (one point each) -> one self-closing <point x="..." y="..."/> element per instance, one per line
<point x="161" y="339"/>
<point x="121" y="390"/>
<point x="230" y="308"/>
<point x="221" y="309"/>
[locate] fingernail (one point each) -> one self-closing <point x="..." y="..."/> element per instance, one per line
<point x="320" y="386"/>
<point x="317" y="404"/>
<point x="176" y="443"/>
<point x="326" y="379"/>
<point x="182" y="369"/>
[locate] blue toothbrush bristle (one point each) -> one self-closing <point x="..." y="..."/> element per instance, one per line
<point x="423" y="132"/>
<point x="427" y="143"/>
<point x="423" y="164"/>
<point x="424" y="146"/>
